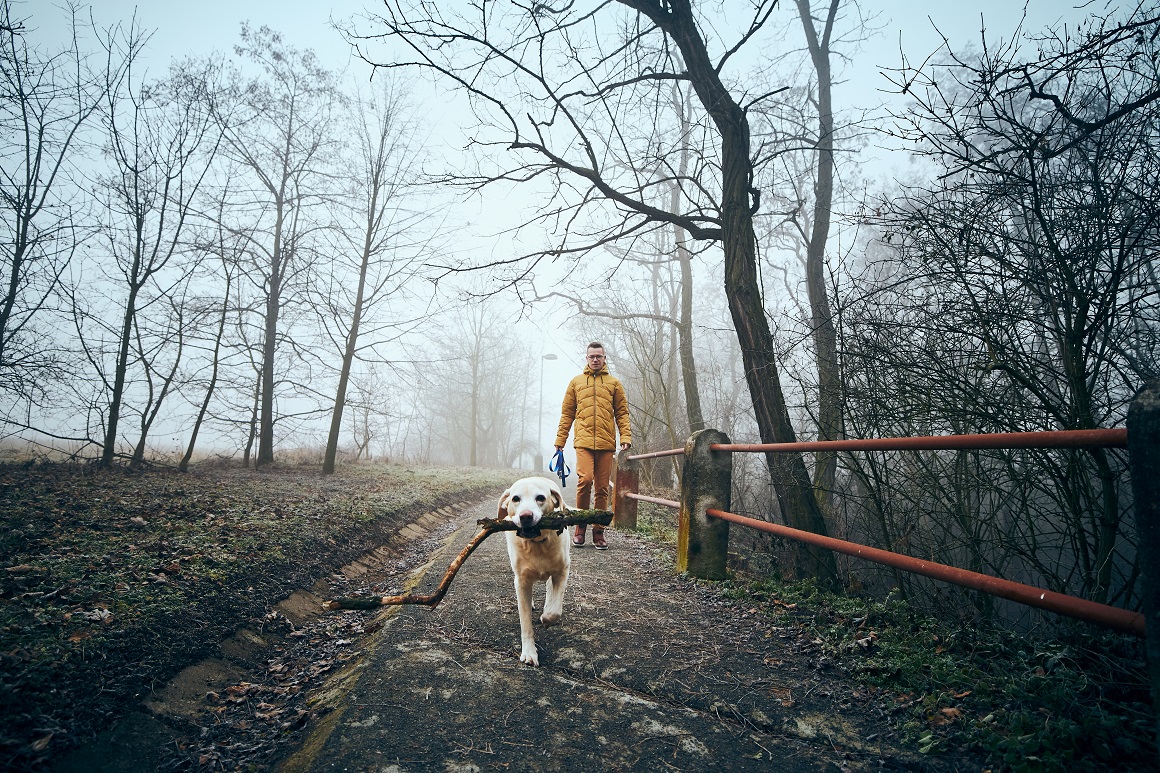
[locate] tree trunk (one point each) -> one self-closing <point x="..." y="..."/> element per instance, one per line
<point x="183" y="465"/>
<point x="16" y="271"/>
<point x="328" y="460"/>
<point x="790" y="477"/>
<point x="347" y="363"/>
<point x="685" y="326"/>
<point x="252" y="433"/>
<point x="474" y="454"/>
<point x="119" y="377"/>
<point x="269" y="349"/>
<point x="685" y="331"/>
<point x="150" y="415"/>
<point x="825" y="336"/>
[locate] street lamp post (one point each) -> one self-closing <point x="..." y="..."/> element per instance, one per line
<point x="540" y="415"/>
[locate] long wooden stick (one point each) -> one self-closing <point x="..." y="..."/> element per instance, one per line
<point x="488" y="526"/>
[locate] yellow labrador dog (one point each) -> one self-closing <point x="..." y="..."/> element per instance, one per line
<point x="536" y="556"/>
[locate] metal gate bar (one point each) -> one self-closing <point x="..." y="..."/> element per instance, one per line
<point x="1081" y="609"/>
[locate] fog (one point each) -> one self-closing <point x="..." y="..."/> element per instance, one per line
<point x="272" y="233"/>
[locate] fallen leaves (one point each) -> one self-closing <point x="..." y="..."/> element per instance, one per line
<point x="24" y="569"/>
<point x="944" y="716"/>
<point x="252" y="719"/>
<point x="98" y="615"/>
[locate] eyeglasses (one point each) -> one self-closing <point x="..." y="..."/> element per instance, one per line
<point x="596" y="356"/>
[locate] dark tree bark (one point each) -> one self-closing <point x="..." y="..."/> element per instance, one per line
<point x="685" y="258"/>
<point x="824" y="331"/>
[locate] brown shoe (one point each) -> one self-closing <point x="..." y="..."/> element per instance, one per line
<point x="598" y="538"/>
<point x="578" y="536"/>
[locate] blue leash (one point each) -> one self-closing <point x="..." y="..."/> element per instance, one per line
<point x="557" y="466"/>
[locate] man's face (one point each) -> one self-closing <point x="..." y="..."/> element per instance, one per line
<point x="596" y="359"/>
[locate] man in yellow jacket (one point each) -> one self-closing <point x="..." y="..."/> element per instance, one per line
<point x="596" y="403"/>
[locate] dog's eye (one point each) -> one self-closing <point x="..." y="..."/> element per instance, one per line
<point x="515" y="499"/>
<point x="540" y="498"/>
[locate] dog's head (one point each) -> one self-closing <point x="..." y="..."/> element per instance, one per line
<point x="527" y="501"/>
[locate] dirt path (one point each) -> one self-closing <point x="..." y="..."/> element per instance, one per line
<point x="646" y="672"/>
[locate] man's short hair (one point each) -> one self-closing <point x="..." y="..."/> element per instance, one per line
<point x="595" y="345"/>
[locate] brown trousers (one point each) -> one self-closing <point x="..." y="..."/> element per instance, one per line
<point x="593" y="467"/>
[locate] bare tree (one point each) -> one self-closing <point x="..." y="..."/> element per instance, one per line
<point x="279" y="128"/>
<point x="560" y="86"/>
<point x="161" y="143"/>
<point x="159" y="376"/>
<point x="370" y="400"/>
<point x="378" y="227"/>
<point x="824" y="331"/>
<point x="472" y="406"/>
<point x="48" y="101"/>
<point x="222" y="245"/>
<point x="682" y="105"/>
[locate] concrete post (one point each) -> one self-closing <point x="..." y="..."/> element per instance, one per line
<point x="1144" y="463"/>
<point x="703" y="542"/>
<point x="627" y="482"/>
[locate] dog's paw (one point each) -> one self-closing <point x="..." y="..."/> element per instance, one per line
<point x="530" y="656"/>
<point x="550" y="618"/>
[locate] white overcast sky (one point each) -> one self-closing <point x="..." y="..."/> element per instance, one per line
<point x="200" y="27"/>
<point x="205" y="26"/>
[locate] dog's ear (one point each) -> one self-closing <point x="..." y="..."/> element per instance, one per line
<point x="503" y="503"/>
<point x="558" y="500"/>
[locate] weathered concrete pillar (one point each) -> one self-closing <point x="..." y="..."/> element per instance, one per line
<point x="627" y="481"/>
<point x="1144" y="463"/>
<point x="703" y="542"/>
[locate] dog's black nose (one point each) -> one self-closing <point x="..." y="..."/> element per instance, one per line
<point x="526" y="519"/>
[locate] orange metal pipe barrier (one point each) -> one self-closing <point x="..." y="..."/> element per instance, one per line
<point x="1080" y="438"/>
<point x="655" y="500"/>
<point x="1082" y="609"/>
<point x="655" y="454"/>
<point x="1077" y="438"/>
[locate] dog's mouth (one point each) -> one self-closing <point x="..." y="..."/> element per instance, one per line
<point x="527" y="527"/>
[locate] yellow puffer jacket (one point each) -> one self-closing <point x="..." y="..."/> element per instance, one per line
<point x="595" y="401"/>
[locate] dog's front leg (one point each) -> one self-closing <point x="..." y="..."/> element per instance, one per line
<point x="554" y="598"/>
<point x="528" y="653"/>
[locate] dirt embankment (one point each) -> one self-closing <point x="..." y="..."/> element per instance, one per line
<point x="111" y="581"/>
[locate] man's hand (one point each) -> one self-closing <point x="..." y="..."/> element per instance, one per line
<point x="625" y="446"/>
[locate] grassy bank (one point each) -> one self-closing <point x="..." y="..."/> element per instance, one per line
<point x="111" y="581"/>
<point x="1073" y="700"/>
